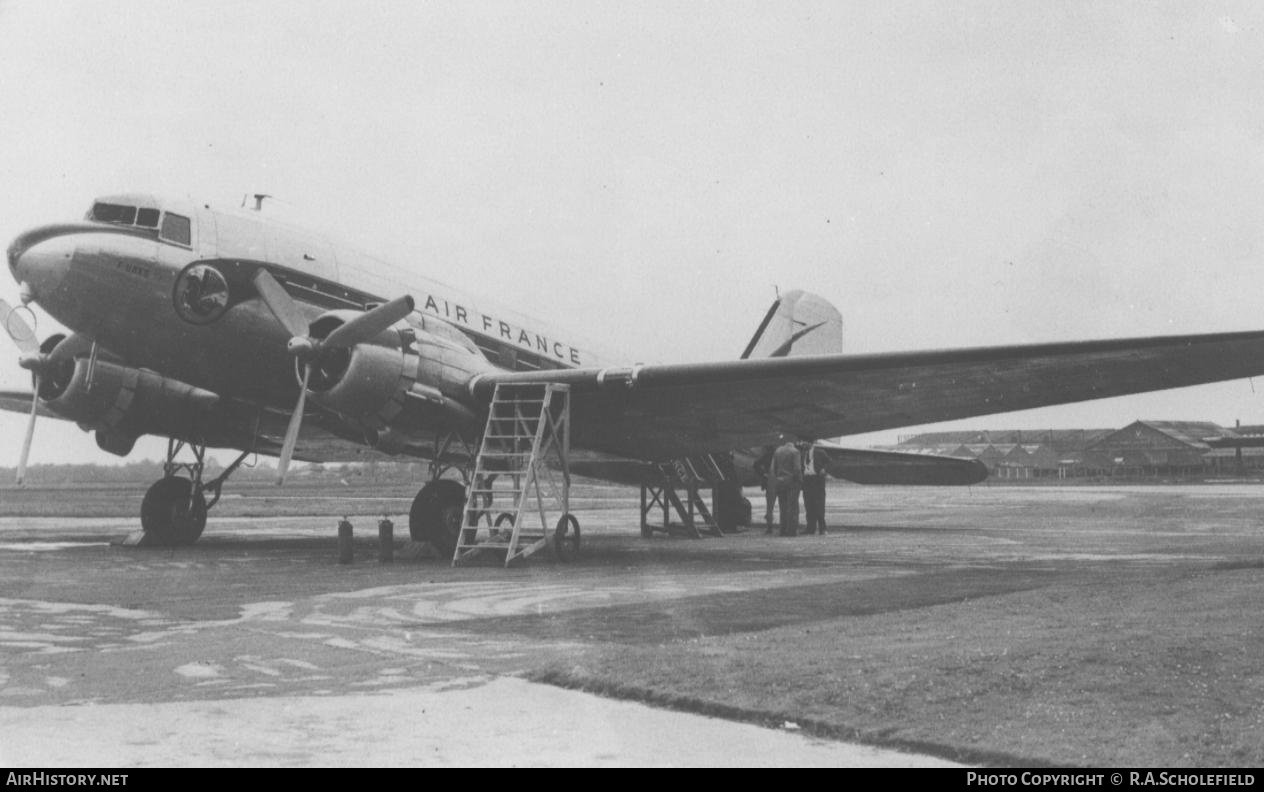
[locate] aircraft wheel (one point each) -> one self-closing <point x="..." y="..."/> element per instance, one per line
<point x="566" y="538"/>
<point x="169" y="516"/>
<point x="436" y="515"/>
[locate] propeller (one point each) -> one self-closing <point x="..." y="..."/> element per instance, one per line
<point x="18" y="330"/>
<point x="29" y="349"/>
<point x="307" y="348"/>
<point x="39" y="363"/>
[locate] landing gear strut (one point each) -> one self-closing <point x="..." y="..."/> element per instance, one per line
<point x="173" y="512"/>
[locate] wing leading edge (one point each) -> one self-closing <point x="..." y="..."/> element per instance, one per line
<point x="668" y="411"/>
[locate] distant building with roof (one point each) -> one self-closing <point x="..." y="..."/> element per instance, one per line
<point x="1012" y="453"/>
<point x="1153" y="448"/>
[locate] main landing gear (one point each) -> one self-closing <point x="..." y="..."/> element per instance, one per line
<point x="173" y="512"/>
<point x="436" y="515"/>
<point x="439" y="507"/>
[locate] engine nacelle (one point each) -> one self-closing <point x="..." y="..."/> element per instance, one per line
<point x="123" y="403"/>
<point x="407" y="369"/>
<point x="367" y="382"/>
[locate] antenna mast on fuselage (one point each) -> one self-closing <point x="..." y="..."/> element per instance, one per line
<point x="258" y="207"/>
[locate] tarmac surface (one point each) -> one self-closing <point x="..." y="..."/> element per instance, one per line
<point x="256" y="648"/>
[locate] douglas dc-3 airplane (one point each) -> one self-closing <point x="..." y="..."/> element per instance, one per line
<point x="225" y="328"/>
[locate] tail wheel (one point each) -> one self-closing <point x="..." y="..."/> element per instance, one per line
<point x="436" y="515"/>
<point x="503" y="527"/>
<point x="173" y="513"/>
<point x="566" y="538"/>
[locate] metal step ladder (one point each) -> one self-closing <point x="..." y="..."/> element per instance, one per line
<point x="661" y="491"/>
<point x="528" y="426"/>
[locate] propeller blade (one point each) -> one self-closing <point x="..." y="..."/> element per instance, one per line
<point x="18" y="330"/>
<point x="369" y="323"/>
<point x="30" y="431"/>
<point x="280" y="303"/>
<point x="291" y="434"/>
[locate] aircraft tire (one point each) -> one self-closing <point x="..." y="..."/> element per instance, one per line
<point x="566" y="538"/>
<point x="436" y="513"/>
<point x="169" y="517"/>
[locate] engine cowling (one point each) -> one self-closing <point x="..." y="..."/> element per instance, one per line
<point x="366" y="382"/>
<point x="405" y="370"/>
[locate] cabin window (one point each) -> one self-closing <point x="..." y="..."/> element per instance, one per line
<point x="114" y="213"/>
<point x="175" y="228"/>
<point x="147" y="218"/>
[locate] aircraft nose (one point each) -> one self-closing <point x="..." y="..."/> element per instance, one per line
<point x="39" y="260"/>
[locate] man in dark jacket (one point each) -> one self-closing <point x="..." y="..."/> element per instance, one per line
<point x="787" y="471"/>
<point x="763" y="470"/>
<point x="813" y="491"/>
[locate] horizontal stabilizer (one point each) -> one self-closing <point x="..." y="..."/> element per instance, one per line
<point x="893" y="467"/>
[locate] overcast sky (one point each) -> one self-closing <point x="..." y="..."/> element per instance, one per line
<point x="645" y="174"/>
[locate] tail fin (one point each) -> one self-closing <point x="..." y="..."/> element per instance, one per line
<point x="798" y="323"/>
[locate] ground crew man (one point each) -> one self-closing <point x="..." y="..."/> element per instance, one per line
<point x="763" y="471"/>
<point x="813" y="491"/>
<point x="787" y="470"/>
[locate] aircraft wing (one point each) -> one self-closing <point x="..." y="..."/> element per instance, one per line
<point x="892" y="467"/>
<point x="316" y="445"/>
<point x="660" y="412"/>
<point x="20" y="402"/>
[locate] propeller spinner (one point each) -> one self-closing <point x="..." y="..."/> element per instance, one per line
<point x="307" y="348"/>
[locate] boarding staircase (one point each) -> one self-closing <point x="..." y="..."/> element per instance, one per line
<point x="684" y="476"/>
<point x="522" y="464"/>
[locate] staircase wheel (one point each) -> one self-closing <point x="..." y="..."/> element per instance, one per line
<point x="566" y="538"/>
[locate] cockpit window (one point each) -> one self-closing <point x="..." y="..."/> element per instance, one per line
<point x="114" y="213"/>
<point x="124" y="215"/>
<point x="147" y="218"/>
<point x="175" y="228"/>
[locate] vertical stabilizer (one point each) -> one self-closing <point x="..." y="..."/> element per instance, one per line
<point x="798" y="323"/>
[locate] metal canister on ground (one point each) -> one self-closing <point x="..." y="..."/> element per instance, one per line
<point x="346" y="552"/>
<point x="385" y="540"/>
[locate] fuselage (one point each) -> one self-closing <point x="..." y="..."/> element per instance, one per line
<point x="164" y="285"/>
